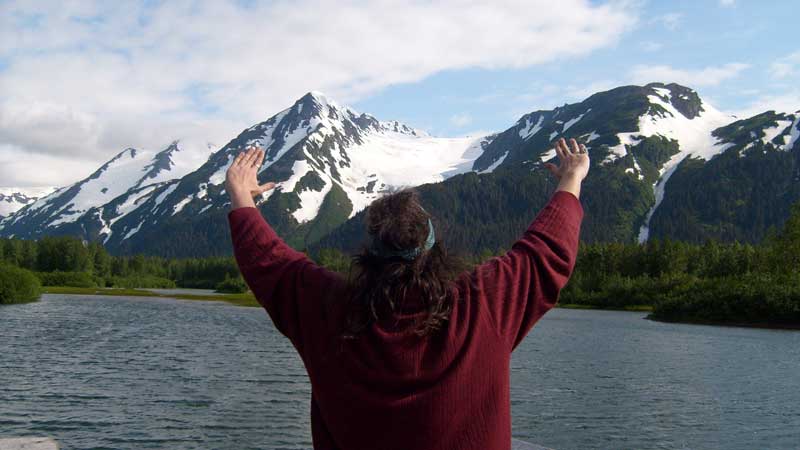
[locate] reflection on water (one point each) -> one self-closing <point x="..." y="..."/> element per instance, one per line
<point x="133" y="373"/>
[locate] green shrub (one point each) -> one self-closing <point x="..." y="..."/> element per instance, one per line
<point x="71" y="279"/>
<point x="18" y="285"/>
<point x="618" y="291"/>
<point x="749" y="299"/>
<point x="232" y="285"/>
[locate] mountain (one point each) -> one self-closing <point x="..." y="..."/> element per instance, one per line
<point x="125" y="180"/>
<point x="743" y="192"/>
<point x="664" y="164"/>
<point x="329" y="162"/>
<point x="13" y="199"/>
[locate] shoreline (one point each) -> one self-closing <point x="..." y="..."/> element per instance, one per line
<point x="629" y="308"/>
<point x="759" y="325"/>
<point x="247" y="300"/>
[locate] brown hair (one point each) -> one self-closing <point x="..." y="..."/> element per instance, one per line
<point x="378" y="285"/>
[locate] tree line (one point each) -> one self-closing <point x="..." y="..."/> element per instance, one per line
<point x="69" y="261"/>
<point x="712" y="282"/>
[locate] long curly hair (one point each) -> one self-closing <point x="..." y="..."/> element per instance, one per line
<point x="379" y="285"/>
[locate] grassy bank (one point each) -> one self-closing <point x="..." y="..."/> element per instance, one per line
<point x="632" y="308"/>
<point x="245" y="299"/>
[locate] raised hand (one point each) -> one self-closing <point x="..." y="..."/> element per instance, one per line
<point x="573" y="166"/>
<point x="241" y="181"/>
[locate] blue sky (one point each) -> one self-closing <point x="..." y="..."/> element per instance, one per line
<point x="80" y="81"/>
<point x="686" y="36"/>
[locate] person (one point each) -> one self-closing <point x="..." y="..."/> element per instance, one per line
<point x="403" y="355"/>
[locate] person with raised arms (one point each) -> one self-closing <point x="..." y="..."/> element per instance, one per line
<point x="408" y="352"/>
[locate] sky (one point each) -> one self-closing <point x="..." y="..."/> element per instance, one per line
<point x="81" y="80"/>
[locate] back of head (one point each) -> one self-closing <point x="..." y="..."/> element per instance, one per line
<point x="401" y="263"/>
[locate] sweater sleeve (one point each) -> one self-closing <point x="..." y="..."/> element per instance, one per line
<point x="519" y="287"/>
<point x="284" y="281"/>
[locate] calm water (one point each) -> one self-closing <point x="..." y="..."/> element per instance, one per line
<point x="133" y="373"/>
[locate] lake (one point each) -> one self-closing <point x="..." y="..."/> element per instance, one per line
<point x="144" y="373"/>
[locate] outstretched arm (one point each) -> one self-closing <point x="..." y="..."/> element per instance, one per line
<point x="519" y="287"/>
<point x="284" y="281"/>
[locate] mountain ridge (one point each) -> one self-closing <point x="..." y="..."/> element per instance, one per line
<point x="330" y="162"/>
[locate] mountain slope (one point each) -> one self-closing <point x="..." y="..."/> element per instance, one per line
<point x="329" y="162"/>
<point x="742" y="193"/>
<point x="664" y="164"/>
<point x="13" y="199"/>
<point x="65" y="210"/>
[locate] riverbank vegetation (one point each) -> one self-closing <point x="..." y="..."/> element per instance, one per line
<point x="18" y="285"/>
<point x="240" y="299"/>
<point x="742" y="284"/>
<point x="726" y="283"/>
<point x="67" y="261"/>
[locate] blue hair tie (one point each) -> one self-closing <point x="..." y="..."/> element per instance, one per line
<point x="379" y="249"/>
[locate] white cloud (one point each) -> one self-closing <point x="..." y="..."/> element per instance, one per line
<point x="786" y="66"/>
<point x="21" y="168"/>
<point x="708" y="76"/>
<point x="461" y="120"/>
<point x="651" y="46"/>
<point x="727" y="3"/>
<point x="90" y="78"/>
<point x="670" y="21"/>
<point x="785" y="102"/>
<point x="580" y="93"/>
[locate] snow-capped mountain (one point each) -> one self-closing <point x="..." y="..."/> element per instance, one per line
<point x="13" y="199"/>
<point x="316" y="146"/>
<point x="665" y="164"/>
<point x="330" y="162"/>
<point x="613" y="125"/>
<point x="127" y="172"/>
<point x="743" y="191"/>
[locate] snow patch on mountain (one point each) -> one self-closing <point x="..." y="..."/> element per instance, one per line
<point x="573" y="121"/>
<point x="310" y="202"/>
<point x="388" y="160"/>
<point x="133" y="201"/>
<point x="164" y="194"/>
<point x="12" y="199"/>
<point x="548" y="155"/>
<point x="635" y="170"/>
<point x="771" y="133"/>
<point x="531" y="128"/>
<point x="694" y="137"/>
<point x="495" y="164"/>
<point x="181" y="204"/>
<point x="794" y="134"/>
<point x="133" y="231"/>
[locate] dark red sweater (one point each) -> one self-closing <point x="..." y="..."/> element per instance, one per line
<point x="390" y="389"/>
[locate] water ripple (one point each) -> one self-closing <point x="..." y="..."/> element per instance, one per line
<point x="132" y="373"/>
